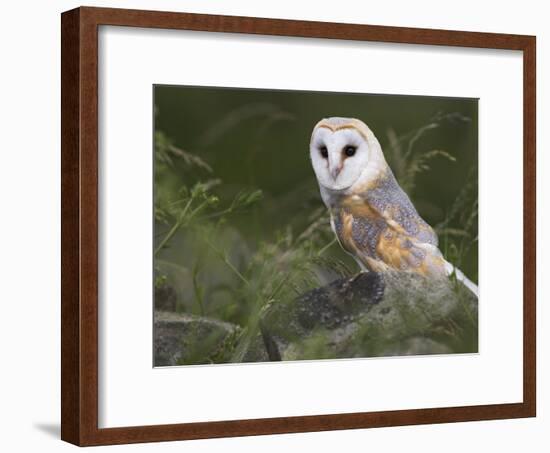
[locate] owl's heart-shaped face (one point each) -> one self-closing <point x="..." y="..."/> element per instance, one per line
<point x="338" y="156"/>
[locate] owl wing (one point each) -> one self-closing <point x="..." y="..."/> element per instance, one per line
<point x="387" y="233"/>
<point x="390" y="202"/>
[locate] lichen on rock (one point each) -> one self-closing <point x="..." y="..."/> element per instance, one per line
<point x="371" y="315"/>
<point x="184" y="339"/>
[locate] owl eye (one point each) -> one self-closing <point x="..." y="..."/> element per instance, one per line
<point x="350" y="150"/>
<point x="324" y="151"/>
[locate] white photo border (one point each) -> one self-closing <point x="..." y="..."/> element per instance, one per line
<point x="131" y="61"/>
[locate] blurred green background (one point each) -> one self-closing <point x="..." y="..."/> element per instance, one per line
<point x="245" y="154"/>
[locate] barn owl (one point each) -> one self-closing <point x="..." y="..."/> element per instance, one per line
<point x="372" y="217"/>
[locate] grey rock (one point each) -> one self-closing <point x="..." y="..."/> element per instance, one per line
<point x="181" y="339"/>
<point x="370" y="315"/>
<point x="165" y="298"/>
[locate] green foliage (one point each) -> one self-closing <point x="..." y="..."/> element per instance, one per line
<point x="166" y="152"/>
<point x="457" y="232"/>
<point x="407" y="164"/>
<point x="457" y="243"/>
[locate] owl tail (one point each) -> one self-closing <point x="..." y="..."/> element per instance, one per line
<point x="462" y="278"/>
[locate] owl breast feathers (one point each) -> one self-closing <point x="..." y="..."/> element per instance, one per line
<point x="382" y="230"/>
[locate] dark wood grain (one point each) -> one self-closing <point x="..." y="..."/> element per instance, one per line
<point x="529" y="227"/>
<point x="89" y="225"/>
<point x="79" y="304"/>
<point x="70" y="227"/>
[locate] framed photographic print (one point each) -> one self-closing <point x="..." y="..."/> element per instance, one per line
<point x="276" y="226"/>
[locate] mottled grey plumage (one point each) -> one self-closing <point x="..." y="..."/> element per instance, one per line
<point x="389" y="203"/>
<point x="388" y="195"/>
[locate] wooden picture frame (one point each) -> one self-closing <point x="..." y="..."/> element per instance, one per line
<point x="79" y="314"/>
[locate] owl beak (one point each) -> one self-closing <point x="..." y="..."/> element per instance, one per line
<point x="335" y="172"/>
